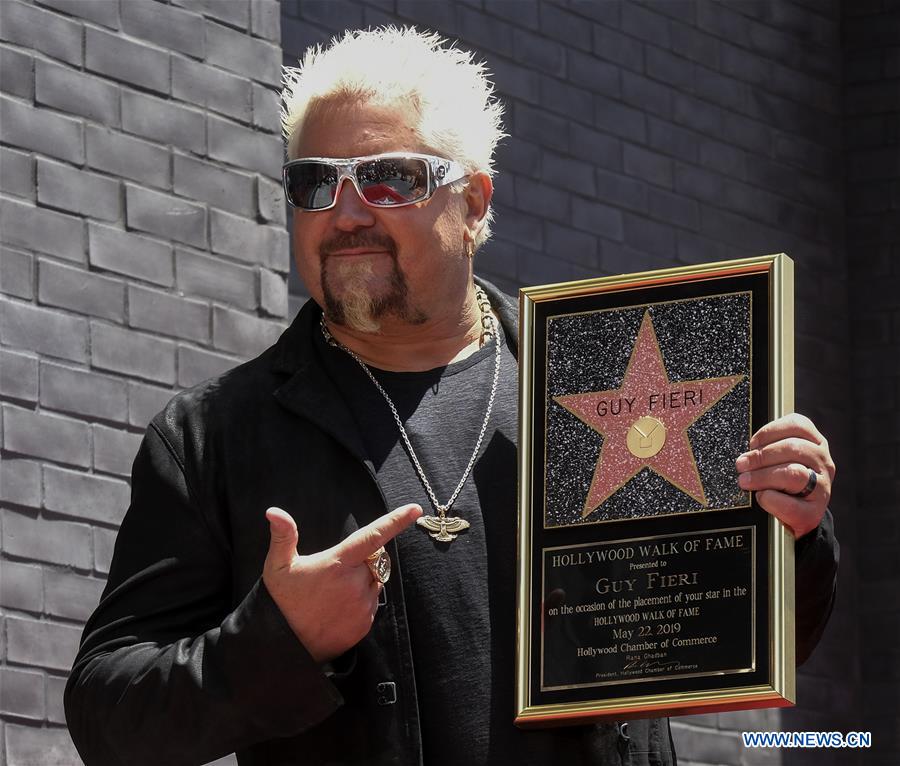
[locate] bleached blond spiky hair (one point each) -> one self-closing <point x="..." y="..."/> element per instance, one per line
<point x="451" y="99"/>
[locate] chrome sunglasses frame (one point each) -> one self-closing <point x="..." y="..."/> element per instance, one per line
<point x="441" y="172"/>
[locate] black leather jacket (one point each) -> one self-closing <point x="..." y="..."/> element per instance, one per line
<point x="187" y="658"/>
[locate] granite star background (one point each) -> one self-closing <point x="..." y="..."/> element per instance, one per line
<point x="699" y="338"/>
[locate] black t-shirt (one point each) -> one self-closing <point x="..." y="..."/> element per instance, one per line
<point x="460" y="596"/>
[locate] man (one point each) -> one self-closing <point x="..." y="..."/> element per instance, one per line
<point x="220" y="631"/>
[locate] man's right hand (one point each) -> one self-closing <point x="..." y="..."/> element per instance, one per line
<point x="329" y="598"/>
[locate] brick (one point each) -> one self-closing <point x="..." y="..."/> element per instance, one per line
<point x="537" y="52"/>
<point x="43" y="331"/>
<point x="144" y="402"/>
<point x="54" y="695"/>
<point x="248" y="240"/>
<point x="273" y="293"/>
<point x="18" y="375"/>
<point x="243" y="55"/>
<point x="205" y="86"/>
<point x="265" y="20"/>
<point x="568" y="244"/>
<point x="674" y="70"/>
<point x="270" y="203"/>
<point x="104" y="544"/>
<point x="46" y="436"/>
<point x="114" y="450"/>
<point x="266" y="109"/>
<point x="21" y="482"/>
<point x="646" y="94"/>
<point x="672" y="140"/>
<point x="77" y="191"/>
<point x="41" y="644"/>
<point x="132" y="353"/>
<point x="17" y="173"/>
<point x="484" y="32"/>
<point x="21" y="587"/>
<point x="22" y="693"/>
<point x="648" y="165"/>
<point x="131" y="254"/>
<point x="47" y="231"/>
<point x="41" y="30"/>
<point x="618" y="119"/>
<point x="167" y="26"/>
<point x="590" y="72"/>
<point x="645" y="25"/>
<point x="621" y="191"/>
<point x="673" y="209"/>
<point x="606" y="13"/>
<point x="127" y="157"/>
<point x="574" y="175"/>
<point x="443" y="15"/>
<point x="50" y="540"/>
<point x="649" y="236"/>
<point x="603" y="150"/>
<point x="70" y="595"/>
<point x="724" y="158"/>
<point x="248" y="149"/>
<point x="515" y="81"/>
<point x="521" y="228"/>
<point x="537" y="269"/>
<point x="334" y="14"/>
<point x="544" y="129"/>
<point x="83" y="392"/>
<point x="574" y="103"/>
<point x="722" y="90"/>
<point x="692" y="43"/>
<point x="234" y="12"/>
<point x="126" y="60"/>
<point x="618" y="48"/>
<point x="85" y="496"/>
<point x="168" y="314"/>
<point x="597" y="218"/>
<point x="27" y="746"/>
<point x="57" y="136"/>
<point x="241" y="333"/>
<point x="163" y="121"/>
<point x="80" y="290"/>
<point x="18" y="73"/>
<point x="217" y="186"/>
<point x="539" y="199"/>
<point x="498" y="257"/>
<point x="74" y="92"/>
<point x="564" y="26"/>
<point x="215" y="278"/>
<point x="16" y="273"/>
<point x="165" y="216"/>
<point x="698" y="183"/>
<point x="196" y="365"/>
<point x="98" y="11"/>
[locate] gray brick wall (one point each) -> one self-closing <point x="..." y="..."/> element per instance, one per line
<point x="138" y="199"/>
<point x="872" y="183"/>
<point x="651" y="133"/>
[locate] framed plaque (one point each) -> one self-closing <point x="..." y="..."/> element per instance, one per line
<point x="649" y="582"/>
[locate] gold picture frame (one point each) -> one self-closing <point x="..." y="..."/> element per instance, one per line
<point x="626" y="470"/>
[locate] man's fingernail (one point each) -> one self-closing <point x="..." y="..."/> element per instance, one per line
<point x="743" y="480"/>
<point x="742" y="462"/>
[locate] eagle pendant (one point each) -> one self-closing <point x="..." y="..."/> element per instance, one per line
<point x="440" y="527"/>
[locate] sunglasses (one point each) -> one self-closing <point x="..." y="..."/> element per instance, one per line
<point x="381" y="180"/>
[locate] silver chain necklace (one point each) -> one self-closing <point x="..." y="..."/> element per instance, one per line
<point x="442" y="527"/>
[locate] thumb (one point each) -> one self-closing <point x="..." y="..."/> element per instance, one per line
<point x="283" y="538"/>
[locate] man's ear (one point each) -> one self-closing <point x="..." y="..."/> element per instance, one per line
<point x="478" y="195"/>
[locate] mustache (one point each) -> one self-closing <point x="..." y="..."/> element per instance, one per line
<point x="346" y="240"/>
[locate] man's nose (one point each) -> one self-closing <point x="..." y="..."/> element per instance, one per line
<point x="350" y="211"/>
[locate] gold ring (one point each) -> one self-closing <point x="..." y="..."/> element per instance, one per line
<point x="380" y="565"/>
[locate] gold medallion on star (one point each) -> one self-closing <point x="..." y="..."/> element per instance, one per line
<point x="644" y="422"/>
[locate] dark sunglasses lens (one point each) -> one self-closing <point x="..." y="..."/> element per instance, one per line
<point x="393" y="181"/>
<point x="311" y="185"/>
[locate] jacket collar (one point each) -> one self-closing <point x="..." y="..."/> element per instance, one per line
<point x="309" y="392"/>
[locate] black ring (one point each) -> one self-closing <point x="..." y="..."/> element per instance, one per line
<point x="810" y="485"/>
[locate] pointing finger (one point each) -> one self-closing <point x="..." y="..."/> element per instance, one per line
<point x="365" y="541"/>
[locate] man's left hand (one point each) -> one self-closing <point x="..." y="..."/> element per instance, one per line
<point x="777" y="466"/>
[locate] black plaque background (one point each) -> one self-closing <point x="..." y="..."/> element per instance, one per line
<point x="758" y="284"/>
